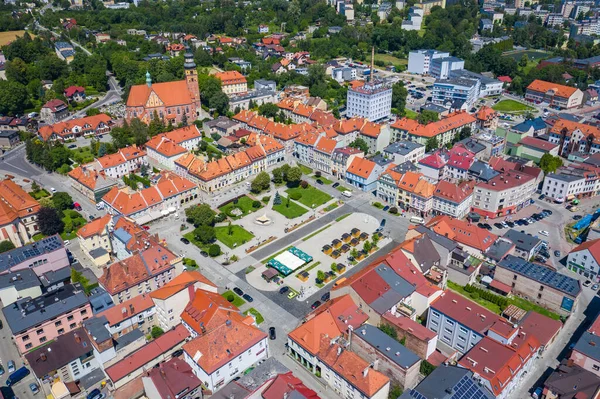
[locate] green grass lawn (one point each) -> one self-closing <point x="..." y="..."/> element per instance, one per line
<point x="39" y="194"/>
<point x="190" y="236"/>
<point x="341" y="188"/>
<point x="388" y="58"/>
<point x="342" y="217"/>
<point x="310" y="196"/>
<point x="511" y="106"/>
<point x="239" y="235"/>
<point x="305" y="169"/>
<point x="237" y="301"/>
<point x="259" y="318"/>
<point x="410" y="114"/>
<point x="244" y="204"/>
<point x="323" y="179"/>
<point x="82" y="155"/>
<point x="488" y="305"/>
<point x="292" y="211"/>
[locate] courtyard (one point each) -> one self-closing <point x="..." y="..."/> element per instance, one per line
<point x="326" y="254"/>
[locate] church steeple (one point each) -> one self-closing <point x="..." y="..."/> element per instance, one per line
<point x="148" y="79"/>
<point x="191" y="78"/>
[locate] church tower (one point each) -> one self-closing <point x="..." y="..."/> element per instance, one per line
<point x="191" y="78"/>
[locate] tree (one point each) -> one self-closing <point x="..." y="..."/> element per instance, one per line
<point x="321" y="275"/>
<point x="156" y="332"/>
<point x="465" y="133"/>
<point x="550" y="163"/>
<point x="35" y="187"/>
<point x="399" y="94"/>
<point x="395" y="392"/>
<point x="426" y="117"/>
<point x="139" y="132"/>
<point x="277" y="176"/>
<point x="6" y="245"/>
<point x="375" y="239"/>
<point x="13" y="98"/>
<point x="389" y="330"/>
<point x="523" y="61"/>
<point x="261" y="182"/>
<point x="205" y="234"/>
<point x="201" y="215"/>
<point x="62" y="201"/>
<point x="92" y="112"/>
<point x="214" y="250"/>
<point x="431" y="144"/>
<point x="102" y="150"/>
<point x="367" y="246"/>
<point x="277" y="199"/>
<point x="294" y="175"/>
<point x="50" y="222"/>
<point x="285" y="168"/>
<point x="269" y="110"/>
<point x="229" y="229"/>
<point x="361" y="144"/>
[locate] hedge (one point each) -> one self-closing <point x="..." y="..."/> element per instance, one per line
<point x="487" y="295"/>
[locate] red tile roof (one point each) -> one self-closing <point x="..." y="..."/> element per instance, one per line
<point x="147" y="353"/>
<point x="462" y="232"/>
<point x="230" y="78"/>
<point x="540" y="326"/>
<point x="456" y="193"/>
<point x="170" y="93"/>
<point x="283" y="384"/>
<point x="89" y="176"/>
<point x="486" y="113"/>
<point x="559" y="90"/>
<point x="539" y="144"/>
<point x="173" y="377"/>
<point x="411" y="326"/>
<point x="361" y="167"/>
<point x="437" y="160"/>
<point x="120" y="157"/>
<point x="55" y="105"/>
<point x="466" y="312"/>
<point x="15" y="202"/>
<point x="506" y="181"/>
<point x="186" y="280"/>
<point x="88" y="123"/>
<point x="128" y="309"/>
<point x="344" y="311"/>
<point x="452" y="121"/>
<point x="96" y="226"/>
<point x="593" y="246"/>
<point x="71" y="90"/>
<point x="308" y="335"/>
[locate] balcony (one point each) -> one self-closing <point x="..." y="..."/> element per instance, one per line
<point x="406" y="310"/>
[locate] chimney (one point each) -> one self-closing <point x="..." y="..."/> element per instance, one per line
<point x="43" y="357"/>
<point x="131" y="308"/>
<point x="339" y="350"/>
<point x="376" y="365"/>
<point x="365" y="372"/>
<point x="77" y="338"/>
<point x="124" y="311"/>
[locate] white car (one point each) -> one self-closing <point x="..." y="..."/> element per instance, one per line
<point x="544" y="233"/>
<point x="52" y="189"/>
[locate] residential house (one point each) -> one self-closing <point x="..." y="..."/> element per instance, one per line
<point x="341" y="160"/>
<point x="417" y="338"/>
<point x="572" y="182"/>
<point x="377" y="136"/>
<point x="95" y="125"/>
<point x="402" y="151"/>
<point x="54" y="111"/>
<point x="223" y="126"/>
<point x="18" y="214"/>
<point x="127" y="160"/>
<point x="94" y="240"/>
<point x="525" y="245"/>
<point x="232" y="82"/>
<point x="504" y="194"/>
<point x="471" y="238"/>
<point x="452" y="199"/>
<point x="547" y="288"/>
<point x="487" y="118"/>
<point x="172" y="379"/>
<point x="574" y="136"/>
<point x="433" y="166"/>
<point x="534" y="148"/>
<point x="556" y="95"/>
<point x="75" y="93"/>
<point x="444" y="130"/>
<point x="570" y="380"/>
<point x="45" y="255"/>
<point x="363" y="174"/>
<point x="38" y="320"/>
<point x="444" y="382"/>
<point x="138" y="313"/>
<point x="22" y="284"/>
<point x="584" y="259"/>
<point x="91" y="181"/>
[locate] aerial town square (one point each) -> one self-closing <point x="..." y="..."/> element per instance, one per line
<point x="300" y="199"/>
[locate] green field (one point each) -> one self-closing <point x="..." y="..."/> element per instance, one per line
<point x="310" y="196"/>
<point x="305" y="169"/>
<point x="292" y="211"/>
<point x="390" y="59"/>
<point x="511" y="106"/>
<point x="244" y="204"/>
<point x="533" y="55"/>
<point x="238" y="236"/>
<point x="410" y="114"/>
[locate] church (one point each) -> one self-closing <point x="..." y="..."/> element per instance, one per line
<point x="169" y="100"/>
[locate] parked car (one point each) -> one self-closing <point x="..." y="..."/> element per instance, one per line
<point x="34" y="388"/>
<point x="92" y="217"/>
<point x="542" y="196"/>
<point x="548" y="211"/>
<point x="177" y="353"/>
<point x="284" y="289"/>
<point x="557" y="253"/>
<point x="146" y="228"/>
<point x="272" y="333"/>
<point x="292" y="295"/>
<point x="386" y="208"/>
<point x="537" y="394"/>
<point x="595" y="287"/>
<point x="248" y="298"/>
<point x="319" y="181"/>
<point x="544" y="233"/>
<point x="52" y="189"/>
<point x="77" y="206"/>
<point x="238" y="291"/>
<point x="326" y="296"/>
<point x="577" y="217"/>
<point x="184" y="240"/>
<point x="487" y="226"/>
<point x="498" y="226"/>
<point x="95" y="394"/>
<point x="315" y="305"/>
<point x="204" y="253"/>
<point x="586" y="284"/>
<point x="510" y="224"/>
<point x="335" y="185"/>
<point x="11" y="366"/>
<point x="1" y="370"/>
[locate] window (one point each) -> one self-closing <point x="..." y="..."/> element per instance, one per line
<point x="72" y="325"/>
<point x="25" y="338"/>
<point x="70" y="318"/>
<point x="43" y="339"/>
<point x="28" y="346"/>
<point x="61" y="330"/>
<point x="58" y="324"/>
<point x="40" y="331"/>
<point x="596" y="367"/>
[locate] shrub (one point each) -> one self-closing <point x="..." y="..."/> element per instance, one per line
<point x="394" y="210"/>
<point x="304" y="184"/>
<point x="266" y="199"/>
<point x="295" y="196"/>
<point x="230" y="298"/>
<point x="214" y="250"/>
<point x="156" y="332"/>
<point x="256" y="204"/>
<point x="220" y="217"/>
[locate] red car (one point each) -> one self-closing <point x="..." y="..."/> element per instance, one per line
<point x="146" y="227"/>
<point x="77" y="206"/>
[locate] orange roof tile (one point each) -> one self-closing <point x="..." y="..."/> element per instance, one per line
<point x="179" y="283"/>
<point x="309" y="334"/>
<point x="287" y="104"/>
<point x="90" y="175"/>
<point x="433" y="129"/>
<point x="559" y="90"/>
<point x="349" y="125"/>
<point x="361" y="167"/>
<point x="326" y="145"/>
<point x="184" y="134"/>
<point x="170" y="93"/>
<point x="128" y="309"/>
<point x="122" y="156"/>
<point x="230" y="78"/>
<point x="65" y="127"/>
<point x="462" y="232"/>
<point x="569" y="127"/>
<point x="485" y="113"/>
<point x="15" y="202"/>
<point x="371" y="129"/>
<point x="164" y="146"/>
<point x="96" y="226"/>
<point x="308" y="139"/>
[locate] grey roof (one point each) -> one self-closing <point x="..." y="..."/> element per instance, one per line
<point x="407" y="166"/>
<point x="448" y="382"/>
<point x="265" y="82"/>
<point x="251" y="95"/>
<point x="22" y="254"/>
<point x="100" y="300"/>
<point x="381" y="160"/>
<point x="437" y="238"/>
<point x="564" y="177"/>
<point x="55" y="276"/>
<point x="97" y="329"/>
<point x="482" y="171"/>
<point x="262" y="373"/>
<point x="387" y="345"/>
<point x="466" y="74"/>
<point x="542" y="275"/>
<point x="433" y="107"/>
<point x="98" y="252"/>
<point x="402" y="147"/>
<point x="522" y="241"/>
<point x="456" y="81"/>
<point x="21" y="280"/>
<point x="400" y="289"/>
<point x="122" y="235"/>
<point x="498" y="250"/>
<point x="425" y="253"/>
<point x="589" y="345"/>
<point x="27" y="313"/>
<point x="571" y="380"/>
<point x="128" y="338"/>
<point x="472" y="145"/>
<point x="60" y="352"/>
<point x="91" y="379"/>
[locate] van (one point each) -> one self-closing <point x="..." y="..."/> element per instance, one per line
<point x="17" y="376"/>
<point x="99" y="206"/>
<point x="417" y="220"/>
<point x="347" y="194"/>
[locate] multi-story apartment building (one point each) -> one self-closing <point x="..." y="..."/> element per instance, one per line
<point x="138" y="313"/>
<point x="164" y="148"/>
<point x="552" y="290"/>
<point x="440" y="68"/>
<point x="444" y="130"/>
<point x="48" y="254"/>
<point x="456" y="90"/>
<point x="123" y="162"/>
<point x="172" y="379"/>
<point x="94" y="240"/>
<point x="373" y="101"/>
<point x="403" y="151"/>
<point x="341" y="160"/>
<point x="572" y="182"/>
<point x="377" y="136"/>
<point x="575" y="137"/>
<point x="453" y="199"/>
<point x="232" y="82"/>
<point x="36" y="321"/>
<point x="363" y="174"/>
<point x="585" y="259"/>
<point x="503" y="195"/>
<point x="91" y="181"/>
<point x="18" y="214"/>
<point x="558" y="96"/>
<point x="419" y="61"/>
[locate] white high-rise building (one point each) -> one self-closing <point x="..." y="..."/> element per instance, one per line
<point x="420" y="60"/>
<point x="373" y="101"/>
